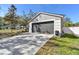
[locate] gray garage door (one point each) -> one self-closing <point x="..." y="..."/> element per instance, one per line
<point x="43" y="27"/>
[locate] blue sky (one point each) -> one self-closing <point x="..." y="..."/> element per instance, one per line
<point x="70" y="10"/>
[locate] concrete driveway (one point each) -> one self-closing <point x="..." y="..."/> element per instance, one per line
<point x="25" y="44"/>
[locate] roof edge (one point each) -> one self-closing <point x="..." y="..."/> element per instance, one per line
<point x="54" y="14"/>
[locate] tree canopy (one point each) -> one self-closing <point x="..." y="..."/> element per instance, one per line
<point x="68" y="22"/>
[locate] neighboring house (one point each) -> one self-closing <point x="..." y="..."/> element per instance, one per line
<point x="71" y="30"/>
<point x="47" y="23"/>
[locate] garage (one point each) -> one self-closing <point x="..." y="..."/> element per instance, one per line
<point x="46" y="23"/>
<point x="43" y="27"/>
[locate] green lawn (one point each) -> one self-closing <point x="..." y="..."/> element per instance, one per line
<point x="66" y="45"/>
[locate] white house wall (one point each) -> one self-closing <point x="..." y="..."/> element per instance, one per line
<point x="57" y="26"/>
<point x="43" y="17"/>
<point x="30" y="27"/>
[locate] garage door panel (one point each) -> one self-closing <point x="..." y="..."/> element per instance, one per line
<point x="43" y="27"/>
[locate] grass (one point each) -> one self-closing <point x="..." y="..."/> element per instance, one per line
<point x="65" y="45"/>
<point x="10" y="32"/>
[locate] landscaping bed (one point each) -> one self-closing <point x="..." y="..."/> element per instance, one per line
<point x="66" y="45"/>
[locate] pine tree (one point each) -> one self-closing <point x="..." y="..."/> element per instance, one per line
<point x="10" y="17"/>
